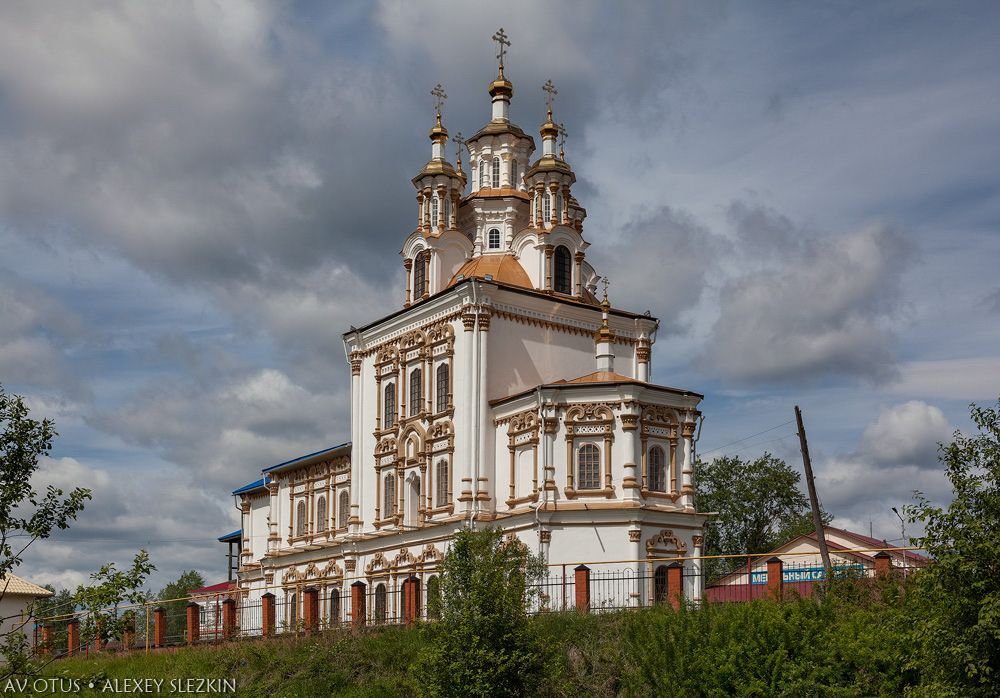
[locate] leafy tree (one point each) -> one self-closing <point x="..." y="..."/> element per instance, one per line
<point x="957" y="618"/>
<point x="483" y="644"/>
<point x="24" y="515"/>
<point x="179" y="589"/>
<point x="101" y="601"/>
<point x="760" y="506"/>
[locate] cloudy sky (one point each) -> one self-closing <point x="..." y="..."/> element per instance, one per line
<point x="197" y="198"/>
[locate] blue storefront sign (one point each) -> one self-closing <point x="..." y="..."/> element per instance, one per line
<point x="812" y="573"/>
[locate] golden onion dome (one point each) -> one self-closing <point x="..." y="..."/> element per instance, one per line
<point x="549" y="128"/>
<point x="501" y="86"/>
<point x="439" y="134"/>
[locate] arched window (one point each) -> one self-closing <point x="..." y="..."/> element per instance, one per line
<point x="588" y="467"/>
<point x="514" y="181"/>
<point x="389" y="406"/>
<point x="484" y="175"/>
<point x="345" y="507"/>
<point x="660" y="584"/>
<point x="434" y="212"/>
<point x="389" y="495"/>
<point x="546" y="208"/>
<point x="441" y="481"/>
<point x="559" y="207"/>
<point x="335" y="606"/>
<point x="563" y="271"/>
<point x="293" y="607"/>
<point x="442" y="387"/>
<point x="434" y="598"/>
<point x="300" y="518"/>
<point x="321" y="514"/>
<point x="494" y="239"/>
<point x="657" y="470"/>
<point x="416" y="394"/>
<point x="419" y="274"/>
<point x="496" y="173"/>
<point x="380" y="603"/>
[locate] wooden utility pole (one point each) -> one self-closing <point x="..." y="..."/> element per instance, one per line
<point x="813" y="499"/>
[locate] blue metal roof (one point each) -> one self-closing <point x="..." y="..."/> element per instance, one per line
<point x="235" y="535"/>
<point x="310" y="455"/>
<point x="251" y="486"/>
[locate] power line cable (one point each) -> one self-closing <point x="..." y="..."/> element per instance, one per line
<point x="746" y="438"/>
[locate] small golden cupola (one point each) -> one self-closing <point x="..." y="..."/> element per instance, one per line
<point x="550" y="178"/>
<point x="439" y="185"/>
<point x="604" y="337"/>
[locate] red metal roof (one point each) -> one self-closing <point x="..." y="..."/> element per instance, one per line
<point x="215" y="588"/>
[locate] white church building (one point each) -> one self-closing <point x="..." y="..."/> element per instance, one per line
<point x="503" y="392"/>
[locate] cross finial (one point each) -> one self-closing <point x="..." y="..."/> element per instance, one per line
<point x="606" y="283"/>
<point x="502" y="43"/>
<point x="439" y="98"/>
<point x="550" y="97"/>
<point x="459" y="141"/>
<point x="562" y="141"/>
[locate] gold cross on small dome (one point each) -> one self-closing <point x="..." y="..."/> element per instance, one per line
<point x="551" y="91"/>
<point x="439" y="98"/>
<point x="502" y="43"/>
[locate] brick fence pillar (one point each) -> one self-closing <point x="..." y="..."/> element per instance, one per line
<point x="775" y="578"/>
<point x="229" y="618"/>
<point x="411" y="600"/>
<point x="310" y="609"/>
<point x="72" y="637"/>
<point x="883" y="564"/>
<point x="98" y="636"/>
<point x="193" y="622"/>
<point x="267" y="614"/>
<point x="675" y="584"/>
<point x="358" y="610"/>
<point x="581" y="585"/>
<point x="159" y="627"/>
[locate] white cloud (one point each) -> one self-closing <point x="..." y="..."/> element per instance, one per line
<point x="907" y="434"/>
<point x="968" y="379"/>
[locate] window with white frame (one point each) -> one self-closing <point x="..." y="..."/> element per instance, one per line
<point x="434" y="212"/>
<point x="563" y="271"/>
<point x="546" y="208"/>
<point x="321" y="514"/>
<point x="493" y="239"/>
<point x="514" y="181"/>
<point x="300" y="518"/>
<point x="442" y="387"/>
<point x="389" y="495"/>
<point x="656" y="464"/>
<point x="588" y="467"/>
<point x="389" y="406"/>
<point x="416" y="394"/>
<point x="441" y="482"/>
<point x="496" y="173"/>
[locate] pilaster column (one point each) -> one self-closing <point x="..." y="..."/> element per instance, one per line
<point x="548" y="249"/>
<point x="468" y="324"/>
<point x="687" y="473"/>
<point x="578" y="273"/>
<point x="427" y="272"/>
<point x="564" y="209"/>
<point x="408" y="265"/>
<point x="642" y="356"/>
<point x="553" y="210"/>
<point x="483" y="483"/>
<point x="354" y="520"/>
<point x="630" y="483"/>
<point x="440" y="222"/>
<point x="420" y="210"/>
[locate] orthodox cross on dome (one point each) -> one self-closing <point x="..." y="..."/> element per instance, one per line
<point x="550" y="97"/>
<point x="562" y="141"/>
<point x="502" y="43"/>
<point x="459" y="141"/>
<point x="606" y="283"/>
<point x="439" y="98"/>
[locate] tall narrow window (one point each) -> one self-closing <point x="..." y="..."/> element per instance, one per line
<point x="484" y="175"/>
<point x="321" y="514"/>
<point x="441" y="482"/>
<point x="442" y="387"/>
<point x="660" y="584"/>
<point x="657" y="470"/>
<point x="546" y="208"/>
<point x="419" y="274"/>
<point x="496" y="173"/>
<point x="380" y="603"/>
<point x="389" y="495"/>
<point x="588" y="462"/>
<point x="434" y="598"/>
<point x="493" y="239"/>
<point x="559" y="207"/>
<point x="416" y="394"/>
<point x="563" y="271"/>
<point x="300" y="518"/>
<point x="514" y="181"/>
<point x="335" y="606"/>
<point x="389" y="406"/>
<point x="434" y="212"/>
<point x="344" y="509"/>
<point x="447" y="212"/>
<point x="293" y="607"/>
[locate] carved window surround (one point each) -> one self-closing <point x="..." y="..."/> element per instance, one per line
<point x="658" y="425"/>
<point x="589" y="423"/>
<point x="523" y="432"/>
